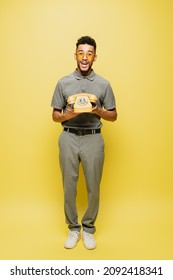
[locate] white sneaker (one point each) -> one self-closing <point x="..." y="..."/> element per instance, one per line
<point x="89" y="240"/>
<point x="72" y="239"/>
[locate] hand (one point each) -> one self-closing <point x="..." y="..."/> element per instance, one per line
<point x="108" y="115"/>
<point x="97" y="110"/>
<point x="69" y="114"/>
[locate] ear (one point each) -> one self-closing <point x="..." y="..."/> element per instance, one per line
<point x="95" y="57"/>
<point x="75" y="56"/>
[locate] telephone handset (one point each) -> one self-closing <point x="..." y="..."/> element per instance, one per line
<point x="82" y="102"/>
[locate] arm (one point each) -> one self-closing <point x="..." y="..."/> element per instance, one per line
<point x="105" y="114"/>
<point x="60" y="117"/>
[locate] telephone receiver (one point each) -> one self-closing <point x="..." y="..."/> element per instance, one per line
<point x="82" y="102"/>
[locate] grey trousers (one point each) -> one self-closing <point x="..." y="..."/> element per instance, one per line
<point x="89" y="151"/>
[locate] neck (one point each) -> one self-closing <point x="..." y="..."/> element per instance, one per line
<point x="84" y="73"/>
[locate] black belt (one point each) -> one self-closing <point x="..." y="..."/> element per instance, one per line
<point x="82" y="131"/>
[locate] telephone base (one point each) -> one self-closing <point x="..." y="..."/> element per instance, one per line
<point x="83" y="102"/>
<point x="82" y="110"/>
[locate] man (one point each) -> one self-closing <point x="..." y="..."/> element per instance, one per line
<point x="81" y="140"/>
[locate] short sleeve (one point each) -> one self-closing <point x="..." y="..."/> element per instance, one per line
<point x="58" y="99"/>
<point x="109" y="102"/>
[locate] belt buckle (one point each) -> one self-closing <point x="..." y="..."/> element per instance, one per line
<point x="79" y="132"/>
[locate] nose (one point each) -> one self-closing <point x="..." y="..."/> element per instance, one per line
<point x="84" y="56"/>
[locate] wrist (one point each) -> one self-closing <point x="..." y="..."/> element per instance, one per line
<point x="100" y="112"/>
<point x="66" y="116"/>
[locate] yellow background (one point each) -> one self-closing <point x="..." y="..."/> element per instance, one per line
<point x="134" y="40"/>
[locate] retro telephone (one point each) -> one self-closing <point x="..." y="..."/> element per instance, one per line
<point x="82" y="102"/>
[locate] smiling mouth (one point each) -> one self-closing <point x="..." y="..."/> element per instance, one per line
<point x="84" y="63"/>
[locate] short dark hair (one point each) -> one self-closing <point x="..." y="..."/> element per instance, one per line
<point x="86" y="40"/>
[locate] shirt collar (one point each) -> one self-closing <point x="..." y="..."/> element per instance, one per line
<point x="90" y="77"/>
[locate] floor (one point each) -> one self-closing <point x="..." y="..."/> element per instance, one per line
<point x="129" y="229"/>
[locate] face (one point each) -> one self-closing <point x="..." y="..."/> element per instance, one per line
<point x="85" y="56"/>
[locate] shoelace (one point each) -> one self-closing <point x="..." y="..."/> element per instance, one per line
<point x="89" y="235"/>
<point x="72" y="234"/>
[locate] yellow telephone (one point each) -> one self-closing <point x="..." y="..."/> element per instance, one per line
<point x="82" y="102"/>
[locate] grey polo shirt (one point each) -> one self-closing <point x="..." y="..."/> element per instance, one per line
<point x="76" y="83"/>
